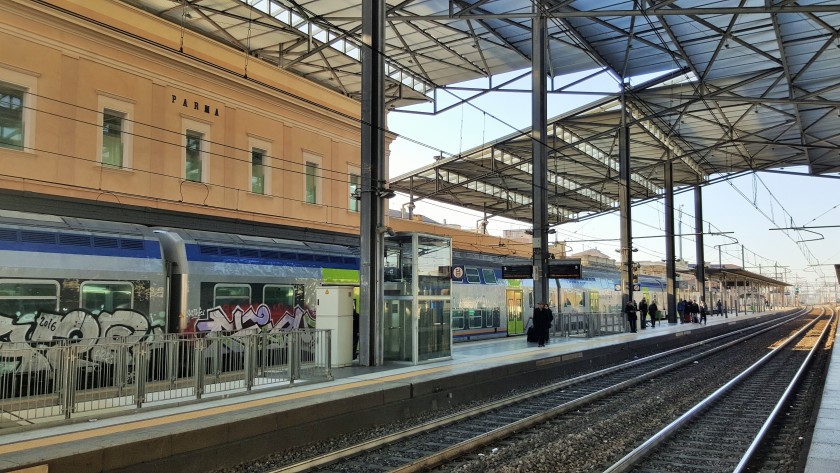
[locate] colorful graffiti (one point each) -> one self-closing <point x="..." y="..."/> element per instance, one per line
<point x="251" y="318"/>
<point x="33" y="343"/>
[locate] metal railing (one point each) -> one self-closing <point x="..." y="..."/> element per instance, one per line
<point x="64" y="378"/>
<point x="589" y="324"/>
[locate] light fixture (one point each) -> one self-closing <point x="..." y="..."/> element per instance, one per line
<point x="385" y="193"/>
<point x="550" y="231"/>
<point x="388" y="230"/>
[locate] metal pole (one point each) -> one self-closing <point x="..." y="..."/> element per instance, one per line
<point x="624" y="201"/>
<point x="373" y="178"/>
<point x="539" y="174"/>
<point x="698" y="226"/>
<point x="670" y="263"/>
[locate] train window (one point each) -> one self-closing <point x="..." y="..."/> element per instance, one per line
<point x="102" y="296"/>
<point x="26" y="298"/>
<point x="233" y="294"/>
<point x="472" y="276"/>
<point x="279" y="295"/>
<point x="489" y="276"/>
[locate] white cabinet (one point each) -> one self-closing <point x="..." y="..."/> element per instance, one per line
<point x="335" y="312"/>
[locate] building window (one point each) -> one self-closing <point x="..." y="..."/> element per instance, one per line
<point x="112" y="138"/>
<point x="115" y="141"/>
<point x="355" y="192"/>
<point x="11" y="116"/>
<point x="258" y="171"/>
<point x="196" y="150"/>
<point x="261" y="170"/>
<point x="311" y="182"/>
<point x="193" y="156"/>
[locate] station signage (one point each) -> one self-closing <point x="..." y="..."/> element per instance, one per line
<point x="564" y="269"/>
<point x="520" y="271"/>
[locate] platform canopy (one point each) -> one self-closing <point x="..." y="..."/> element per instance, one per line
<point x="735" y="273"/>
<point x="741" y="86"/>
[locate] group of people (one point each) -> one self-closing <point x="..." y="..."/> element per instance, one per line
<point x="541" y="319"/>
<point x="692" y="311"/>
<point x="643" y="309"/>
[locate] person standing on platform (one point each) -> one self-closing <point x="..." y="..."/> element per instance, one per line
<point x="681" y="310"/>
<point x="355" y="331"/>
<point x="652" y="310"/>
<point x="719" y="307"/>
<point x="643" y="308"/>
<point x="703" y="311"/>
<point x="549" y="318"/>
<point x="630" y="311"/>
<point x="542" y="322"/>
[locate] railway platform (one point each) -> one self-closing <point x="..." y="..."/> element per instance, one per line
<point x="824" y="454"/>
<point x="199" y="437"/>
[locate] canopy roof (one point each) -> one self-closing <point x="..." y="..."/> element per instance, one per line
<point x="743" y="85"/>
<point x="731" y="273"/>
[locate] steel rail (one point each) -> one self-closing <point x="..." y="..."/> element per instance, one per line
<point x="629" y="461"/>
<point x="459" y="449"/>
<point x="768" y="424"/>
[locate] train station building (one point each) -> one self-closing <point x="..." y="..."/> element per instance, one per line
<point x="268" y="120"/>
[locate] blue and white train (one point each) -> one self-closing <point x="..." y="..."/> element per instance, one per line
<point x="70" y="278"/>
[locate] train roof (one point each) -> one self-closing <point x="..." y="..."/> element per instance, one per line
<point x="201" y="237"/>
<point x="24" y="220"/>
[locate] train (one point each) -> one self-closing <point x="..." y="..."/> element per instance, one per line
<point x="72" y="278"/>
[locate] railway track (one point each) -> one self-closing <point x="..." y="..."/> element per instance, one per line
<point x="725" y="430"/>
<point x="442" y="440"/>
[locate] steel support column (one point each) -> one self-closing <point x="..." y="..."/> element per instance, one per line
<point x="371" y="217"/>
<point x="539" y="174"/>
<point x="698" y="241"/>
<point x="624" y="201"/>
<point x="670" y="262"/>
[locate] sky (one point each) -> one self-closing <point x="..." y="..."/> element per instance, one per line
<point x="744" y="208"/>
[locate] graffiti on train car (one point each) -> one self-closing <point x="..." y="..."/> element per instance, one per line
<point x="226" y="318"/>
<point x="92" y="334"/>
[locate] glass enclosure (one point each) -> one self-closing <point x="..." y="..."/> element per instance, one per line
<point x="417" y="294"/>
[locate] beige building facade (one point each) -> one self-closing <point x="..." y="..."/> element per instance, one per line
<point x="98" y="103"/>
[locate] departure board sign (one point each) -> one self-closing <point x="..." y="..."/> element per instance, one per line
<point x="564" y="269"/>
<point x="521" y="271"/>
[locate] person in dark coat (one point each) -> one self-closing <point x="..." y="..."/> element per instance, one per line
<point x="355" y="332"/>
<point x="643" y="309"/>
<point x="652" y="309"/>
<point x="630" y="311"/>
<point x="681" y="310"/>
<point x="542" y="322"/>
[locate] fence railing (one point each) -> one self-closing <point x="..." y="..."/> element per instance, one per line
<point x="589" y="324"/>
<point x="64" y="378"/>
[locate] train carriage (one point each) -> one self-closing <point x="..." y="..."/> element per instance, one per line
<point x="227" y="283"/>
<point x="67" y="278"/>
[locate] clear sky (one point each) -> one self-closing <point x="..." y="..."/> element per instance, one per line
<point x="748" y="206"/>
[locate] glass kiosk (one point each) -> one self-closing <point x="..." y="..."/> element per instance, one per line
<point x="417" y="295"/>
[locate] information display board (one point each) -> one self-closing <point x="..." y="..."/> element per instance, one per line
<point x="564" y="269"/>
<point x="518" y="272"/>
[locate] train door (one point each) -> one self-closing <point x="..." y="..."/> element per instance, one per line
<point x="515" y="310"/>
<point x="594" y="302"/>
